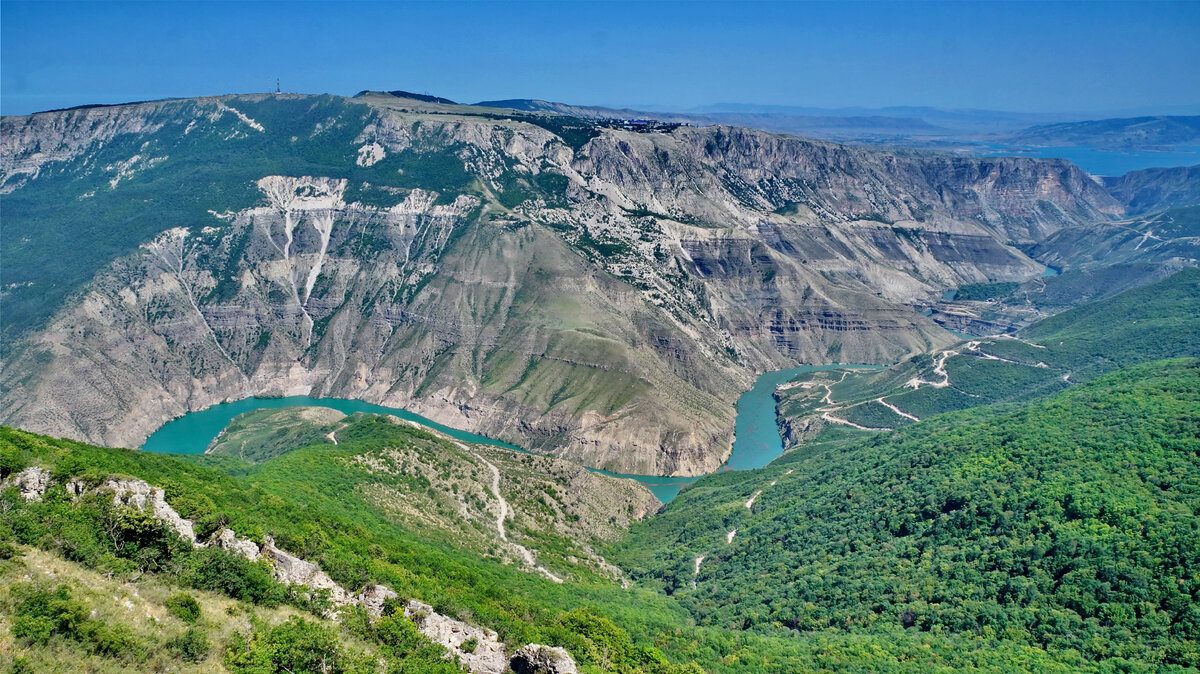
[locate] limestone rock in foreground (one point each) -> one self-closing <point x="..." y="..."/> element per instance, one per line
<point x="292" y="570"/>
<point x="487" y="657"/>
<point x="373" y="597"/>
<point x="138" y="494"/>
<point x="31" y="482"/>
<point x="227" y="540"/>
<point x="539" y="659"/>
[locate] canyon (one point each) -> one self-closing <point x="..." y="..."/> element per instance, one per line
<point x="599" y="294"/>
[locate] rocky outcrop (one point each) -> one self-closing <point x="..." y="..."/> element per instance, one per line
<point x="292" y="570"/>
<point x="31" y="482"/>
<point x="480" y="650"/>
<point x="374" y="597"/>
<point x="538" y="659"/>
<point x="140" y="495"/>
<point x="228" y="541"/>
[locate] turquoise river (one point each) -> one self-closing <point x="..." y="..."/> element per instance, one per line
<point x="757" y="441"/>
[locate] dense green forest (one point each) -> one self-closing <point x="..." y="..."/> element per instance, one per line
<point x="1069" y="525"/>
<point x="1154" y="321"/>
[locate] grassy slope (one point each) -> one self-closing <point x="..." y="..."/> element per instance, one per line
<point x="1069" y="525"/>
<point x="441" y="490"/>
<point x="141" y="607"/>
<point x="308" y="500"/>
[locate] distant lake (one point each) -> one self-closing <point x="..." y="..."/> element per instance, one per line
<point x="1102" y="162"/>
<point x="756" y="444"/>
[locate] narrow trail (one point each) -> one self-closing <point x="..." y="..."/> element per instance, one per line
<point x="753" y="497"/>
<point x="1023" y="341"/>
<point x="828" y="399"/>
<point x="838" y="420"/>
<point x="939" y="369"/>
<point x="525" y="553"/>
<point x="895" y="409"/>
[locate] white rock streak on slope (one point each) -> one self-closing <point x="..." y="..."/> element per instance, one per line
<point x="323" y="223"/>
<point x="169" y="249"/>
<point x="729" y="536"/>
<point x="240" y="115"/>
<point x="502" y="515"/>
<point x="322" y="196"/>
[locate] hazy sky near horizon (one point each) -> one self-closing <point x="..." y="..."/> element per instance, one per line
<point x="1089" y="57"/>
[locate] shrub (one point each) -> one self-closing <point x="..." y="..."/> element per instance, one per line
<point x="42" y="612"/>
<point x="219" y="571"/>
<point x="407" y="650"/>
<point x="192" y="646"/>
<point x="12" y="460"/>
<point x="293" y="646"/>
<point x="184" y="606"/>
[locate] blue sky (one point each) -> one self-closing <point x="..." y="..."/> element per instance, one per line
<point x="1094" y="57"/>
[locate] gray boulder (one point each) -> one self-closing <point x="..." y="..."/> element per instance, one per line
<point x="539" y="659"/>
<point x="138" y="494"/>
<point x="227" y="540"/>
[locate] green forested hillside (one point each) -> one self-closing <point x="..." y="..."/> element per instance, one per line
<point x="1058" y="538"/>
<point x="1154" y="321"/>
<point x="1070" y="525"/>
<point x="309" y="502"/>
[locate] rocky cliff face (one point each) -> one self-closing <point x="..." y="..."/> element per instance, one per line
<point x="1157" y="189"/>
<point x="596" y="294"/>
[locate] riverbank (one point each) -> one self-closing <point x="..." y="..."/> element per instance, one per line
<point x="757" y="440"/>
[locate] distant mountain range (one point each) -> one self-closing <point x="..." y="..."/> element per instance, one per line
<point x="909" y="126"/>
<point x="1130" y="133"/>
